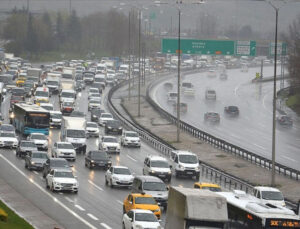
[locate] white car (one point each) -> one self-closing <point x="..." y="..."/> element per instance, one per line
<point x="92" y="129"/>
<point x="64" y="150"/>
<point x="93" y="91"/>
<point x="94" y="104"/>
<point x="110" y="144"/>
<point x="61" y="180"/>
<point x="8" y="139"/>
<point x="104" y="118"/>
<point x="118" y="176"/>
<point x="139" y="219"/>
<point x="188" y="89"/>
<point x="130" y="138"/>
<point x="40" y="140"/>
<point x="210" y="94"/>
<point x="47" y="106"/>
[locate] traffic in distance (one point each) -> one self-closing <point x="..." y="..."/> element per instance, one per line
<point x="54" y="113"/>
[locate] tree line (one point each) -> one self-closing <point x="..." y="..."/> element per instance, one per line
<point x="103" y="32"/>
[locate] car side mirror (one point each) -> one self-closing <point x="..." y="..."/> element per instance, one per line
<point x="50" y="175"/>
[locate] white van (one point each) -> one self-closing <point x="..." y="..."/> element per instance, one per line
<point x="172" y="96"/>
<point x="185" y="163"/>
<point x="157" y="166"/>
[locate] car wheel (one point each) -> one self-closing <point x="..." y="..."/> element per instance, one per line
<point x="197" y="178"/>
<point x="47" y="186"/>
<point x="52" y="188"/>
<point x="85" y="164"/>
<point x="90" y="165"/>
<point x="76" y="192"/>
<point x="123" y="226"/>
<point x="106" y="182"/>
<point x="26" y="166"/>
<point x="124" y="211"/>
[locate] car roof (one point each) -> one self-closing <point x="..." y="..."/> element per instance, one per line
<point x="149" y="179"/>
<point x="141" y="195"/>
<point x="91" y="123"/>
<point x="208" y="184"/>
<point x="141" y="211"/>
<point x="119" y="167"/>
<point x="62" y="170"/>
<point x="263" y="188"/>
<point x="108" y="136"/>
<point x="156" y="158"/>
<point x="63" y="143"/>
<point x="183" y="152"/>
<point x="37" y="134"/>
<point x="128" y="131"/>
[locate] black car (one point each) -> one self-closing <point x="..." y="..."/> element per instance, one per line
<point x="55" y="163"/>
<point x="113" y="126"/>
<point x="18" y="91"/>
<point x="232" y="110"/>
<point x="95" y="114"/>
<point x="97" y="158"/>
<point x="25" y="147"/>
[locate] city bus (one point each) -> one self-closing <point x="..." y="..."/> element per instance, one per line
<point x="30" y="118"/>
<point x="247" y="212"/>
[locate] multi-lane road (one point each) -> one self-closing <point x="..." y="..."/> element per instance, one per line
<point x="95" y="205"/>
<point x="252" y="130"/>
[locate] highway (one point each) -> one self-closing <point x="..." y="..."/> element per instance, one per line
<point x="95" y="205"/>
<point x="252" y="130"/>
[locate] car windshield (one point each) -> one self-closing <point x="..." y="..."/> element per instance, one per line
<point x="99" y="80"/>
<point x="39" y="155"/>
<point x="231" y="108"/>
<point x="99" y="155"/>
<point x="97" y="112"/>
<point x="76" y="134"/>
<point x="155" y="186"/>
<point x="8" y="134"/>
<point x="159" y="164"/>
<point x="133" y="135"/>
<point x="187" y="85"/>
<point x="7" y="128"/>
<point x="68" y="104"/>
<point x="188" y="159"/>
<point x="68" y="94"/>
<point x="47" y="107"/>
<point x="272" y="195"/>
<point x="42" y="93"/>
<point x="38" y="136"/>
<point x="94" y="90"/>
<point x="123" y="171"/>
<point x="106" y="116"/>
<point x="37" y="120"/>
<point x="95" y="101"/>
<point x="145" y="200"/>
<point x="87" y="75"/>
<point x="63" y="174"/>
<point x="94" y="125"/>
<point x="56" y="115"/>
<point x="145" y="217"/>
<point x="113" y="140"/>
<point x="59" y="163"/>
<point x="28" y="144"/>
<point x="213" y="189"/>
<point x="211" y="92"/>
<point x="67" y="76"/>
<point x="113" y="123"/>
<point x="53" y="83"/>
<point x="77" y="114"/>
<point x="65" y="146"/>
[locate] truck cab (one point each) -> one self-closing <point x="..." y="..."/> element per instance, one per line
<point x="269" y="195"/>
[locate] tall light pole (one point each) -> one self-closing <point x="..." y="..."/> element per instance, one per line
<point x="129" y="55"/>
<point x="139" y="80"/>
<point x="178" y="79"/>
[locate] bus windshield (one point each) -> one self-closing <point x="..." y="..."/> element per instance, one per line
<point x="37" y="120"/>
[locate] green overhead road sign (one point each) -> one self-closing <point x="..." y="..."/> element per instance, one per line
<point x="281" y="48"/>
<point x="209" y="47"/>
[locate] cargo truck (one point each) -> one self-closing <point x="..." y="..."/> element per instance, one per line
<point x="195" y="208"/>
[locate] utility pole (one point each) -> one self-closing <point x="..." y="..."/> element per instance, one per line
<point x="178" y="80"/>
<point x="129" y="55"/>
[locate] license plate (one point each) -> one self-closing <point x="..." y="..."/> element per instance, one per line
<point x="189" y="172"/>
<point x="161" y="175"/>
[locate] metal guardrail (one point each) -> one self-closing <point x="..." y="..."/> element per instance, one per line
<point x="224" y="179"/>
<point x="222" y="144"/>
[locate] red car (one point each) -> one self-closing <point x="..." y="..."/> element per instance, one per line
<point x="212" y="117"/>
<point x="67" y="107"/>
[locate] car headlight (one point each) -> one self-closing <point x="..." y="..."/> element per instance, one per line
<point x="115" y="178"/>
<point x="120" y="128"/>
<point x="92" y="161"/>
<point x="32" y="162"/>
<point x="153" y="171"/>
<point x="109" y="127"/>
<point x="181" y="167"/>
<point x="157" y="210"/>
<point x="169" y="172"/>
<point x="109" y="162"/>
<point x="197" y="168"/>
<point x="94" y="116"/>
<point x="56" y="183"/>
<point x="75" y="184"/>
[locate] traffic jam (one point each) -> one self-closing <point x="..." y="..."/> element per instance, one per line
<point x="54" y="118"/>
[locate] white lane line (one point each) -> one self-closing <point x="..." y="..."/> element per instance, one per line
<point x="259" y="146"/>
<point x="49" y="194"/>
<point x="120" y="202"/>
<point x="96" y="186"/>
<point x="68" y="199"/>
<point x="131" y="158"/>
<point x="79" y="207"/>
<point x="105" y="226"/>
<point x="237" y="137"/>
<point x="92" y="216"/>
<point x="36" y="172"/>
<point x="236" y="89"/>
<point x="289" y="158"/>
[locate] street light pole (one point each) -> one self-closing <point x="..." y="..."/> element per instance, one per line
<point x="274" y="100"/>
<point x="129" y="55"/>
<point x="178" y="80"/>
<point x="139" y="83"/>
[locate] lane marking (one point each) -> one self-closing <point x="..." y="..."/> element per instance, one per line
<point x="131" y="158"/>
<point x="79" y="207"/>
<point x="120" y="202"/>
<point x="49" y="194"/>
<point x="68" y="199"/>
<point x="92" y="216"/>
<point x="36" y="172"/>
<point x="236" y="88"/>
<point x="96" y="186"/>
<point x="259" y="146"/>
<point x="289" y="158"/>
<point x="105" y="226"/>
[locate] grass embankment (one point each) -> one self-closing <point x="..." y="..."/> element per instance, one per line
<point x="13" y="220"/>
<point x="293" y="102"/>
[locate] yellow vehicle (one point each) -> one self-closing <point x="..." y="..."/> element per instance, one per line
<point x="141" y="201"/>
<point x="20" y="81"/>
<point x="208" y="186"/>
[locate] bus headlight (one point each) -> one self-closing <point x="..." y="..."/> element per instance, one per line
<point x="12" y="116"/>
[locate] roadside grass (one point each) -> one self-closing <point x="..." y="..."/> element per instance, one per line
<point x="293" y="102"/>
<point x="13" y="220"/>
